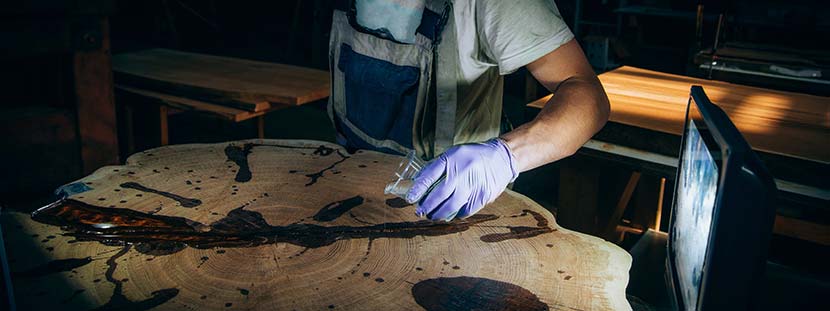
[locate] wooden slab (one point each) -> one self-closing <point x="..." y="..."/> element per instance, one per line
<point x="187" y="104"/>
<point x="790" y="124"/>
<point x="240" y="83"/>
<point x="274" y="224"/>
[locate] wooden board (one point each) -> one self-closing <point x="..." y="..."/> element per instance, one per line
<point x="93" y="91"/>
<point x="240" y="83"/>
<point x="790" y="124"/>
<point x="275" y="224"/>
<point x="187" y="104"/>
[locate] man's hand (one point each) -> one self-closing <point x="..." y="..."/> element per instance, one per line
<point x="468" y="177"/>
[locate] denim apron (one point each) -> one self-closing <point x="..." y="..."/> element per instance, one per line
<point x="391" y="96"/>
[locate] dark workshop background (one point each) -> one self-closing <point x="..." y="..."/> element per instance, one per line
<point x="38" y="123"/>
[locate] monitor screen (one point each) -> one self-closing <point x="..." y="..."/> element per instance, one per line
<point x="722" y="214"/>
<point x="696" y="191"/>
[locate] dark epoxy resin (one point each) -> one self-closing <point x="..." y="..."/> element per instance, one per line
<point x="397" y="203"/>
<point x="239" y="155"/>
<point x="334" y="210"/>
<point x="160" y="248"/>
<point x="185" y="202"/>
<point x="472" y="293"/>
<point x="521" y="232"/>
<point x="241" y="228"/>
<point x="120" y="302"/>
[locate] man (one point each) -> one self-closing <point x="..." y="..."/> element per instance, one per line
<point x="426" y="75"/>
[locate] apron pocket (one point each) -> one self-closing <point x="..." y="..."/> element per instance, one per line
<point x="380" y="96"/>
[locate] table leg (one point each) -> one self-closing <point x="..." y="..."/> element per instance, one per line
<point x="666" y="204"/>
<point x="610" y="232"/>
<point x="578" y="205"/>
<point x="260" y="126"/>
<point x="649" y="202"/>
<point x="163" y="131"/>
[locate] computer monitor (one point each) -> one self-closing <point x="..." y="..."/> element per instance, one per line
<point x="722" y="215"/>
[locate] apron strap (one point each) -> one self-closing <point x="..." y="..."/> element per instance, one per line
<point x="446" y="83"/>
<point x="445" y="64"/>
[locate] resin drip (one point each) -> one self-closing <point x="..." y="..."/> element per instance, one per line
<point x="472" y="293"/>
<point x="120" y="302"/>
<point x="334" y="210"/>
<point x="522" y="232"/>
<point x="239" y="155"/>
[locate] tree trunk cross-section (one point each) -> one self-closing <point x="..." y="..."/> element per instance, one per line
<point x="278" y="224"/>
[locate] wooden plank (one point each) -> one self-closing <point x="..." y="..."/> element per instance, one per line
<point x="282" y="224"/>
<point x="802" y="229"/>
<point x="190" y="92"/>
<point x="807" y="191"/>
<point x="790" y="124"/>
<point x="245" y="84"/>
<point x="187" y="104"/>
<point x="662" y="160"/>
<point x="788" y="226"/>
<point x="801" y="171"/>
<point x="631" y="153"/>
<point x="96" y="107"/>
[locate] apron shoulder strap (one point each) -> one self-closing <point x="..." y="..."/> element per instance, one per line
<point x="446" y="83"/>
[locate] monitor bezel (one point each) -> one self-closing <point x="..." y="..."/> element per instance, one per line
<point x="711" y="141"/>
<point x="738" y="167"/>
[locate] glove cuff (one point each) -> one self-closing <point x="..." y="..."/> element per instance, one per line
<point x="512" y="160"/>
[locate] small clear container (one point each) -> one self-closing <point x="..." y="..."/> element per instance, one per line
<point x="405" y="176"/>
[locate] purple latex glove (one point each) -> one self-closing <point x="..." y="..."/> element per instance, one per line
<point x="473" y="176"/>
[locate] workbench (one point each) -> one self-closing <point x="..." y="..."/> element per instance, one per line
<point x="789" y="131"/>
<point x="287" y="224"/>
<point x="230" y="88"/>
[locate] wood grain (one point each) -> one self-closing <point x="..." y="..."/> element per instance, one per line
<point x="790" y="124"/>
<point x="240" y="83"/>
<point x="370" y="253"/>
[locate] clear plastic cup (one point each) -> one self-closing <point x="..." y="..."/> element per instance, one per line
<point x="405" y="176"/>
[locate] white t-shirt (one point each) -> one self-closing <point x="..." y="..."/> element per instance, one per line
<point x="495" y="38"/>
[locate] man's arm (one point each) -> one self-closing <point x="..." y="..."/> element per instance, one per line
<point x="576" y="112"/>
<point x="476" y="174"/>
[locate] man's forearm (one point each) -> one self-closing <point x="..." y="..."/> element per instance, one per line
<point x="576" y="112"/>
